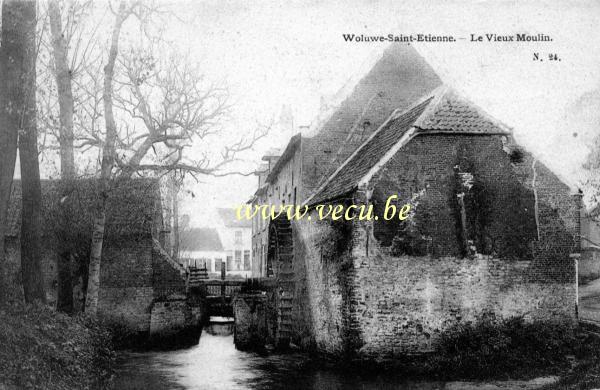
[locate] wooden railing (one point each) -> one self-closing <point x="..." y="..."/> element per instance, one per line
<point x="217" y="288"/>
<point x="224" y="288"/>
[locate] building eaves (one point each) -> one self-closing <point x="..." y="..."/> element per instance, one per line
<point x="287" y="154"/>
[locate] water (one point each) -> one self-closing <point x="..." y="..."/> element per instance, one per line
<point x="215" y="364"/>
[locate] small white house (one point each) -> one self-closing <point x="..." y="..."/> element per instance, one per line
<point x="236" y="237"/>
<point x="201" y="248"/>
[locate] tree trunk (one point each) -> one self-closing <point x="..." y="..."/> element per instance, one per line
<point x="175" y="200"/>
<point x="62" y="74"/>
<point x="11" y="59"/>
<point x="31" y="216"/>
<point x="108" y="156"/>
<point x="93" y="286"/>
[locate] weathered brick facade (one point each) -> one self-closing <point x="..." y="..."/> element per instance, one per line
<point x="490" y="232"/>
<point x="367" y="297"/>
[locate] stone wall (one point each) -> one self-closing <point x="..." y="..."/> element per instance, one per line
<point x="253" y="323"/>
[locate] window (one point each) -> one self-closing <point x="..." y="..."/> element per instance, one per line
<point x="218" y="262"/>
<point x="204" y="262"/>
<point x="238" y="236"/>
<point x="218" y="265"/>
<point x="229" y="260"/>
<point x="238" y="260"/>
<point x="246" y="260"/>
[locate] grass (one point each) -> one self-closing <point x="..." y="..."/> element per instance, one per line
<point x="43" y="349"/>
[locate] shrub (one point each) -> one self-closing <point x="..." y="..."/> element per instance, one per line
<point x="493" y="348"/>
<point x="43" y="349"/>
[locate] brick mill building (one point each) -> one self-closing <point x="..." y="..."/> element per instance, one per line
<point x="491" y="229"/>
<point x="393" y="81"/>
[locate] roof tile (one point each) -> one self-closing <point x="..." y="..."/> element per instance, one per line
<point x="443" y="111"/>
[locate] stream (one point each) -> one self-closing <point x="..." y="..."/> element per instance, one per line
<point x="215" y="364"/>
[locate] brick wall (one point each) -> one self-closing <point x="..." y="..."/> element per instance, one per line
<point x="168" y="277"/>
<point x="301" y="312"/>
<point x="169" y="317"/>
<point x="499" y="204"/>
<point x="285" y="188"/>
<point x="406" y="303"/>
<point x="129" y="306"/>
<point x="126" y="292"/>
<point x="134" y="275"/>
<point x="371" y="294"/>
<point x="326" y="279"/>
<point x="127" y="263"/>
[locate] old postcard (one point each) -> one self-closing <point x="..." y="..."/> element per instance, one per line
<point x="366" y="194"/>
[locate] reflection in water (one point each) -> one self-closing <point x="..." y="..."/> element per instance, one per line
<point x="215" y="364"/>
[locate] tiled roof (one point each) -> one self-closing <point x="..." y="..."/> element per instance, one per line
<point x="230" y="219"/>
<point x="395" y="80"/>
<point x="200" y="239"/>
<point x="454" y="114"/>
<point x="442" y="111"/>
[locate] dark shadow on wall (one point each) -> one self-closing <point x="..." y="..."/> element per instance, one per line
<point x="474" y="203"/>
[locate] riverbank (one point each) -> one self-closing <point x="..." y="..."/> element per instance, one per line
<point x="493" y="350"/>
<point x="43" y="349"/>
<point x="487" y="355"/>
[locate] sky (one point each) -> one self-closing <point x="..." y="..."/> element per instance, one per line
<point x="271" y="53"/>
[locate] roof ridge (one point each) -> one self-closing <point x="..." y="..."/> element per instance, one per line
<point x="436" y="95"/>
<point x="347" y="88"/>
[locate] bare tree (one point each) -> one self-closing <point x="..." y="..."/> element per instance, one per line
<point x="10" y="70"/>
<point x="108" y="155"/>
<point x="144" y="115"/>
<point x="25" y="121"/>
<point x="179" y="112"/>
<point x="63" y="77"/>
